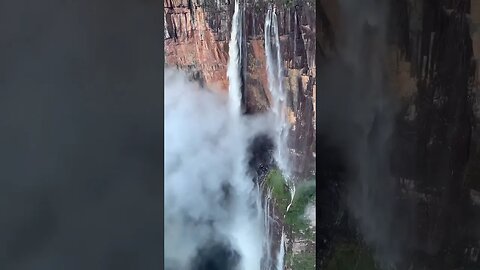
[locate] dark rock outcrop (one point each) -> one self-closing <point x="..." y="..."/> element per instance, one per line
<point x="432" y="71"/>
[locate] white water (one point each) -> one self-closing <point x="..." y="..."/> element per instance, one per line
<point x="267" y="240"/>
<point x="234" y="65"/>
<point x="278" y="93"/>
<point x="281" y="252"/>
<point x="278" y="106"/>
<point x="205" y="149"/>
<point x="292" y="196"/>
<point x="261" y="219"/>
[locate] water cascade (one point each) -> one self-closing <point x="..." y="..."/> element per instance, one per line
<point x="278" y="93"/>
<point x="226" y="220"/>
<point x="220" y="224"/>
<point x="278" y="106"/>
<point x="234" y="72"/>
<point x="234" y="62"/>
<point x="281" y="253"/>
<point x="214" y="217"/>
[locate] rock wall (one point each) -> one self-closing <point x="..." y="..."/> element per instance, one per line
<point x="433" y="48"/>
<point x="196" y="39"/>
<point x="436" y="138"/>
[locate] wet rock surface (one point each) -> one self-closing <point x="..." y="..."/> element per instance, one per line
<point x="432" y="72"/>
<point x="433" y="49"/>
<point x="196" y="40"/>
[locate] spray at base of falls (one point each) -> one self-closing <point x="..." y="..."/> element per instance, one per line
<point x="260" y="257"/>
<point x="210" y="200"/>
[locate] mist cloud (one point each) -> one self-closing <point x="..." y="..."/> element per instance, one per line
<point x="212" y="206"/>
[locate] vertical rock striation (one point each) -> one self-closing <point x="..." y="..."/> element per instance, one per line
<point x="196" y="39"/>
<point x="433" y="48"/>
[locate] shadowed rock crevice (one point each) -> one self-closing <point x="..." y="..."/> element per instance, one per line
<point x="216" y="256"/>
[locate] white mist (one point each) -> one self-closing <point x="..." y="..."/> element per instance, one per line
<point x="205" y="148"/>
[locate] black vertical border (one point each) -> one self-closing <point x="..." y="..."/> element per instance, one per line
<point x="162" y="122"/>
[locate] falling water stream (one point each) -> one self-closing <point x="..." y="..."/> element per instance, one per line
<point x="220" y="223"/>
<point x="226" y="221"/>
<point x="278" y="94"/>
<point x="234" y="73"/>
<point x="278" y="106"/>
<point x="234" y="64"/>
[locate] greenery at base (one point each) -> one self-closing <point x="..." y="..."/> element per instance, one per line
<point x="351" y="257"/>
<point x="302" y="261"/>
<point x="280" y="192"/>
<point x="305" y="194"/>
<point x="295" y="217"/>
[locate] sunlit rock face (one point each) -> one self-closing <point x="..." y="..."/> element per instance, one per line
<point x="196" y="39"/>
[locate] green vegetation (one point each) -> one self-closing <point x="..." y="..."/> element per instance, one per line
<point x="280" y="192"/>
<point x="294" y="218"/>
<point x="304" y="194"/>
<point x="351" y="257"/>
<point x="302" y="261"/>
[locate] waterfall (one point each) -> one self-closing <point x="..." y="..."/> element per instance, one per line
<point x="278" y="106"/>
<point x="206" y="153"/>
<point x="235" y="71"/>
<point x="281" y="253"/>
<point x="267" y="241"/>
<point x="234" y="63"/>
<point x="275" y="83"/>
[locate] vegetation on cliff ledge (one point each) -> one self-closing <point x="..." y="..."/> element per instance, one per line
<point x="305" y="194"/>
<point x="294" y="220"/>
<point x="280" y="193"/>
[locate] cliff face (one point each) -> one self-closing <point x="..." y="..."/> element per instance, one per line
<point x="436" y="141"/>
<point x="433" y="47"/>
<point x="433" y="50"/>
<point x="196" y="39"/>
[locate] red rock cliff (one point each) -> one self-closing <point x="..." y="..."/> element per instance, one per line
<point x="196" y="39"/>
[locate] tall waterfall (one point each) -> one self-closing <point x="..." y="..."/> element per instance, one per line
<point x="220" y="222"/>
<point x="261" y="205"/>
<point x="234" y="62"/>
<point x="278" y="106"/>
<point x="275" y="83"/>
<point x="224" y="220"/>
<point x="281" y="253"/>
